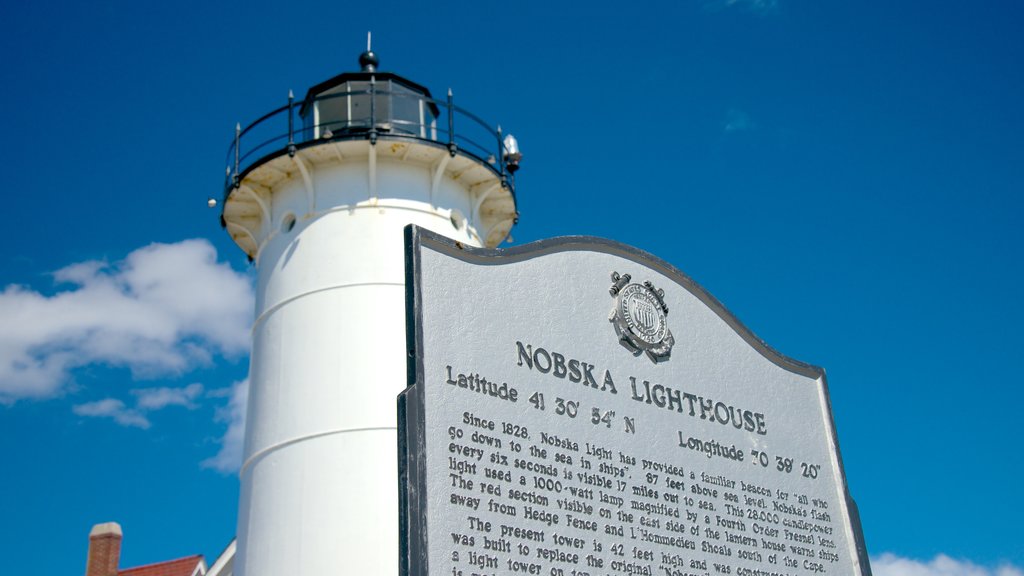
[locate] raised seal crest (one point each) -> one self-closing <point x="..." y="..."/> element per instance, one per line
<point x="640" y="318"/>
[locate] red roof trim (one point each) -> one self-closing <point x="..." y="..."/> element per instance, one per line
<point x="178" y="567"/>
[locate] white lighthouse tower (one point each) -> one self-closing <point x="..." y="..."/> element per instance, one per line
<point x="318" y="194"/>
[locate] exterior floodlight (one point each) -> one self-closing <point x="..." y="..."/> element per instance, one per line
<point x="512" y="153"/>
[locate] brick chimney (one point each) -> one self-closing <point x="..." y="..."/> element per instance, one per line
<point x="104" y="550"/>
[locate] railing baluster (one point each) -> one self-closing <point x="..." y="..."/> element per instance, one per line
<point x="238" y="138"/>
<point x="291" y="124"/>
<point x="452" y="147"/>
<point x="373" y="110"/>
<point x="501" y="159"/>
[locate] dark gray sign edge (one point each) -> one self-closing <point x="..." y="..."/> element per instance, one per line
<point x="411" y="426"/>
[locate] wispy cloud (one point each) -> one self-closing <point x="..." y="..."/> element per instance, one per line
<point x="760" y="7"/>
<point x="147" y="400"/>
<point x="159" y="398"/>
<point x="229" y="459"/>
<point x="114" y="409"/>
<point x="163" y="310"/>
<point x="891" y="565"/>
<point x="737" y="121"/>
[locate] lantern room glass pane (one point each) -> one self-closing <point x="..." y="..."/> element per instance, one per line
<point x="406" y="104"/>
<point x="360" y="105"/>
<point x="333" y="111"/>
<point x="346" y="107"/>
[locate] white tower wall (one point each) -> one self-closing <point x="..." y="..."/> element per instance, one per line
<point x="319" y="477"/>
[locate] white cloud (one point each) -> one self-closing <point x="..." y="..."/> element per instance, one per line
<point x="146" y="400"/>
<point x="891" y="565"/>
<point x="114" y="409"/>
<point x="163" y="310"/>
<point x="159" y="398"/>
<point x="229" y="458"/>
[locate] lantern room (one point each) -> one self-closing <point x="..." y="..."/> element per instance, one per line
<point x="355" y="102"/>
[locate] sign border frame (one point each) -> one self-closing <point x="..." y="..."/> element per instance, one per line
<point x="412" y="507"/>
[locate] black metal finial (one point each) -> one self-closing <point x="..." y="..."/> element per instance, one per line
<point x="368" y="61"/>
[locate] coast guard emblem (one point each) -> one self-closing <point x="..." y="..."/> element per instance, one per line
<point x="640" y="318"/>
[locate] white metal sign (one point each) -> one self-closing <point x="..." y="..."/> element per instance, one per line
<point x="577" y="407"/>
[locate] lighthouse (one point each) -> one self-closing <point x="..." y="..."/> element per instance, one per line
<point x="318" y="193"/>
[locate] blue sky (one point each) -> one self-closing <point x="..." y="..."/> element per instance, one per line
<point x="845" y="177"/>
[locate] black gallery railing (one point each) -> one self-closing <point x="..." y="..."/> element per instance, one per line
<point x="368" y="114"/>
